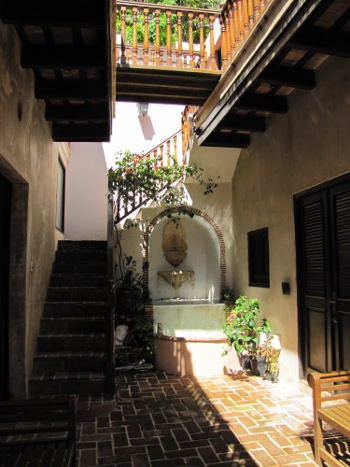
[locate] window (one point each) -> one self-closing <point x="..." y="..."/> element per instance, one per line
<point x="258" y="258"/>
<point x="61" y="180"/>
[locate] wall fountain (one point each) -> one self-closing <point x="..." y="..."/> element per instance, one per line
<point x="187" y="331"/>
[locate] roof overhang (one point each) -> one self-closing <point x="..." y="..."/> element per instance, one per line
<point x="69" y="47"/>
<point x="280" y="55"/>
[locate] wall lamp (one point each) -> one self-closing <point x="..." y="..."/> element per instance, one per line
<point x="142" y="108"/>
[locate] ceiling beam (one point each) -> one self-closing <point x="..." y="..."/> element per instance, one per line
<point x="227" y="140"/>
<point x="65" y="13"/>
<point x="288" y="76"/>
<point x="243" y="123"/>
<point x="77" y="112"/>
<point x="323" y="41"/>
<point x="263" y="103"/>
<point x="73" y="90"/>
<point x="76" y="133"/>
<point x="157" y="98"/>
<point x="70" y="56"/>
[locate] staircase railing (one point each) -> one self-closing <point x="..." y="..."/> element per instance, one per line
<point x="167" y="151"/>
<point x="111" y="300"/>
<point x="172" y="36"/>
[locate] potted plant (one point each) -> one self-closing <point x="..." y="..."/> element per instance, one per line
<point x="270" y="350"/>
<point x="243" y="330"/>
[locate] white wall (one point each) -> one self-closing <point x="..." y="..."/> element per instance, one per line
<point x="86" y="189"/>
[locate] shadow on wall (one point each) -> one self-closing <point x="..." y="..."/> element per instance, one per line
<point x="146" y="127"/>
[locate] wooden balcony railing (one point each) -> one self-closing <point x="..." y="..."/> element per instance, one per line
<point x="237" y="19"/>
<point x="163" y="35"/>
<point x="170" y="36"/>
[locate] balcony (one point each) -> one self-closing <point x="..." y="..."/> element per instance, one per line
<point x="240" y="77"/>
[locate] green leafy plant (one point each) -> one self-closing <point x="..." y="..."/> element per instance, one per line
<point x="134" y="177"/>
<point x="241" y="325"/>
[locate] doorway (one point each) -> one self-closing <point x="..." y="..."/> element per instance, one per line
<point x="322" y="218"/>
<point x="5" y="212"/>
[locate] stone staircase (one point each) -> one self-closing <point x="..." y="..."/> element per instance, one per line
<point x="72" y="346"/>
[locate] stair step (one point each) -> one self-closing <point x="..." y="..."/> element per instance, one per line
<point x="80" y="256"/>
<point x="50" y="363"/>
<point x="77" y="280"/>
<point x="80" y="268"/>
<point x="74" y="324"/>
<point x="67" y="383"/>
<point x="67" y="294"/>
<point x="75" y="309"/>
<point x="81" y="245"/>
<point x="74" y="342"/>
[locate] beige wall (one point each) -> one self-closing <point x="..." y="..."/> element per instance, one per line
<point x="301" y="149"/>
<point x="28" y="158"/>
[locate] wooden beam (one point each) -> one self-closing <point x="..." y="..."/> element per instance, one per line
<point x="288" y="76"/>
<point x="74" y="90"/>
<point x="227" y="140"/>
<point x="158" y="98"/>
<point x="323" y="41"/>
<point x="85" y="133"/>
<point x="67" y="56"/>
<point x="65" y="13"/>
<point x="263" y="103"/>
<point x="77" y="112"/>
<point x="243" y="123"/>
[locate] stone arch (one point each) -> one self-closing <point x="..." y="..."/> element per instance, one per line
<point x="195" y="212"/>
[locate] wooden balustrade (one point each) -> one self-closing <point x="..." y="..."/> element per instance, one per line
<point x="183" y="37"/>
<point x="237" y="19"/>
<point x="186" y="125"/>
<point x="177" y="37"/>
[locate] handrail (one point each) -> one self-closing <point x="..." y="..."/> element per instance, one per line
<point x="110" y="318"/>
<point x="166" y="148"/>
<point x="179" y="37"/>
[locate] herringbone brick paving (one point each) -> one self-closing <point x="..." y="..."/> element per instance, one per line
<point x="162" y="420"/>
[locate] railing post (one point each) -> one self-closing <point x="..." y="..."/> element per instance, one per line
<point x="201" y="40"/>
<point x="145" y="39"/>
<point x="256" y="10"/>
<point x="213" y="65"/>
<point x="190" y="39"/>
<point x="223" y="42"/>
<point x="236" y="25"/>
<point x="241" y="20"/>
<point x="157" y="13"/>
<point x="134" y="36"/>
<point x="168" y="37"/>
<point x="179" y="39"/>
<point x="123" y="36"/>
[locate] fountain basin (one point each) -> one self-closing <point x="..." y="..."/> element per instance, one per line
<point x="189" y="339"/>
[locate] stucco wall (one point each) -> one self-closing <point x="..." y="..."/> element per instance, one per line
<point x="28" y="158"/>
<point x="301" y="149"/>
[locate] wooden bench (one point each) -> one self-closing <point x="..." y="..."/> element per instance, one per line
<point x="38" y="432"/>
<point x="331" y="396"/>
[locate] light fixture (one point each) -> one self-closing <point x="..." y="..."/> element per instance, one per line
<point x="142" y="108"/>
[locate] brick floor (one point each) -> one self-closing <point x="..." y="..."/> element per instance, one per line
<point x="162" y="420"/>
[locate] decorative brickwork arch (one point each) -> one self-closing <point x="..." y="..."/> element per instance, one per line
<point x="196" y="212"/>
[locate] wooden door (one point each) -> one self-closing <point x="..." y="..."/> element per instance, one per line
<point x="5" y="210"/>
<point x="323" y="252"/>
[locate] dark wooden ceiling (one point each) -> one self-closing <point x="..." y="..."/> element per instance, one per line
<point x="318" y="30"/>
<point x="160" y="85"/>
<point x="68" y="46"/>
